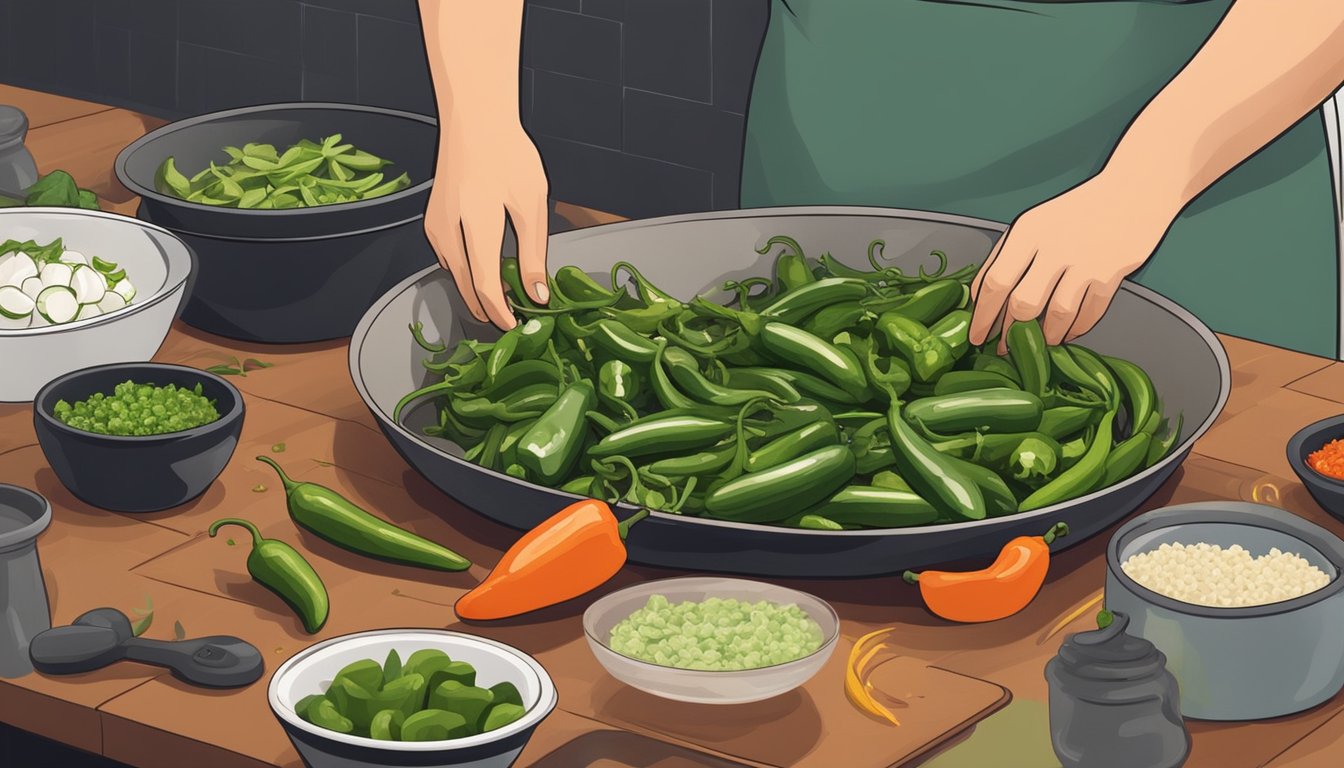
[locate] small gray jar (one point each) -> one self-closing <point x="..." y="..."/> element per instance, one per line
<point x="1113" y="704"/>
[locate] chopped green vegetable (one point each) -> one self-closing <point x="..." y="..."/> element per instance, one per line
<point x="179" y="632"/>
<point x="139" y="410"/>
<point x="305" y="175"/>
<point x="278" y="448"/>
<point x="59" y="189"/>
<point x="716" y="634"/>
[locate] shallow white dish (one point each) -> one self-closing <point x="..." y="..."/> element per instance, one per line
<point x="159" y="264"/>
<point x="705" y="686"/>
<point x="312" y="670"/>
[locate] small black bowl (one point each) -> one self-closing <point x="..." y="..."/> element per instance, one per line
<point x="1327" y="491"/>
<point x="137" y="474"/>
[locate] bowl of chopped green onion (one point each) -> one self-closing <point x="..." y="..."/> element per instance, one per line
<point x="711" y="640"/>
<point x="301" y="214"/>
<point x="140" y="437"/>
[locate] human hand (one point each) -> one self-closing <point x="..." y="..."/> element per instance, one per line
<point x="484" y="171"/>
<point x="1065" y="259"/>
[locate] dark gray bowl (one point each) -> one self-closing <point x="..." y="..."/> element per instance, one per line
<point x="1327" y="491"/>
<point x="297" y="275"/>
<point x="137" y="474"/>
<point x="688" y="255"/>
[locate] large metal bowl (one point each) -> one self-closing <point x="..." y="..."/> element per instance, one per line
<point x="687" y="255"/>
<point x="157" y="262"/>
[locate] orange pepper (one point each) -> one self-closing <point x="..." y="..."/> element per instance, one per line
<point x="571" y="553"/>
<point x="996" y="592"/>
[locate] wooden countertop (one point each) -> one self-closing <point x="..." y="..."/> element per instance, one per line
<point x="142" y="716"/>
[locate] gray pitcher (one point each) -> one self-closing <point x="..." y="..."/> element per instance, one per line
<point x="17" y="169"/>
<point x="1113" y="704"/>
<point x="23" y="595"/>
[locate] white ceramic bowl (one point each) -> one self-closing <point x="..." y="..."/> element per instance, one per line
<point x="704" y="686"/>
<point x="312" y="670"/>
<point x="156" y="262"/>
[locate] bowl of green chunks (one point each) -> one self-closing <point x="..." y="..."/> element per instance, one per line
<point x="411" y="697"/>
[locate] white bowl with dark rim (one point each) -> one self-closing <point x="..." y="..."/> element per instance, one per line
<point x="311" y="670"/>
<point x="1241" y="663"/>
<point x="157" y="263"/>
<point x="707" y="686"/>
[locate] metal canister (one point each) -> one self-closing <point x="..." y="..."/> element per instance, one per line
<point x="18" y="171"/>
<point x="24" y="610"/>
<point x="1113" y="704"/>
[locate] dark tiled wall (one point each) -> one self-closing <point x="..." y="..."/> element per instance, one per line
<point x="637" y="105"/>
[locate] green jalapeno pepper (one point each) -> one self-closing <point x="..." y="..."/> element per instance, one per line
<point x="619" y="341"/>
<point x="888" y="375"/>
<point x="928" y="356"/>
<point x="954" y="382"/>
<point x="508" y="447"/>
<point x="648" y="293"/>
<point x="280" y="568"/>
<point x="933" y="475"/>
<point x="663" y="388"/>
<point x="782" y="490"/>
<point x="1129" y="454"/>
<point x="1140" y="397"/>
<point x="642" y="319"/>
<point x="802" y="348"/>
<point x="341" y="522"/>
<point x="618" y="385"/>
<point x="991" y="363"/>
<point x="549" y="450"/>
<point x="875" y="507"/>
<point x="526" y="403"/>
<point x="999" y="498"/>
<point x="889" y="479"/>
<point x="1159" y="449"/>
<point x="707" y="462"/>
<point x="986" y="410"/>
<point x="519" y="375"/>
<point x="1081" y="478"/>
<point x="1065" y="420"/>
<point x="513" y="279"/>
<point x="814" y="522"/>
<point x="667" y="434"/>
<point x="574" y="286"/>
<point x="954" y="329"/>
<point x="583" y="485"/>
<point x="797" y="305"/>
<point x="1028" y="456"/>
<point x="760" y="379"/>
<point x="835" y="318"/>
<point x="1091" y="364"/>
<point x="805" y="383"/>
<point x="523" y="341"/>
<point x="1030" y="355"/>
<point x="932" y="301"/>
<point x="685" y="372"/>
<point x="1066" y="370"/>
<point x="816" y="435"/>
<point x="791" y="267"/>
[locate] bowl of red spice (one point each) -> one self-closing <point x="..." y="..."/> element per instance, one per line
<point x="1316" y="454"/>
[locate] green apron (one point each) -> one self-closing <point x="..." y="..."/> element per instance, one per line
<point x="987" y="107"/>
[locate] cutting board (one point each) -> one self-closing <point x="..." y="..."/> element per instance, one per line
<point x="813" y="727"/>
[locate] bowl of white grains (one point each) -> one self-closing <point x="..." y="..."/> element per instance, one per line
<point x="711" y="640"/>
<point x="1243" y="599"/>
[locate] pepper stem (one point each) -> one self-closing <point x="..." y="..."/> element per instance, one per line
<point x="252" y="529"/>
<point x="623" y="528"/>
<point x="1060" y="529"/>
<point x="910" y="577"/>
<point x="284" y="479"/>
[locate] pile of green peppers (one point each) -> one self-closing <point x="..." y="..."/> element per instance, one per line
<point x="821" y="397"/>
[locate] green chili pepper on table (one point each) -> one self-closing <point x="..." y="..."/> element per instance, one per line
<point x="281" y="569"/>
<point x="338" y="520"/>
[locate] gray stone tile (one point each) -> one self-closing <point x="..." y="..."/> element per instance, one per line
<point x="564" y="5"/>
<point x="395" y="10"/>
<point x="53" y="42"/>
<point x="320" y="86"/>
<point x="393" y="70"/>
<point x="576" y="108"/>
<point x="605" y="9"/>
<point x="571" y="44"/>
<point x="113" y="57"/>
<point x="153" y="17"/>
<point x="630" y="186"/>
<point x="210" y="80"/>
<point x="738" y="30"/>
<point x="329" y="43"/>
<point x="262" y="29"/>
<point x="682" y="131"/>
<point x="667" y="47"/>
<point x="154" y="72"/>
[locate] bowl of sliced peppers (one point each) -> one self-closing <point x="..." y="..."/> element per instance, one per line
<point x="790" y="391"/>
<point x="300" y="214"/>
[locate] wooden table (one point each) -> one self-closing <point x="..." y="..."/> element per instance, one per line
<point x="304" y="412"/>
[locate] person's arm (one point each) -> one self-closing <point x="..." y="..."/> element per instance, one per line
<point x="1268" y="64"/>
<point x="487" y="165"/>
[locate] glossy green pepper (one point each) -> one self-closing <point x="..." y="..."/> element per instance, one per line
<point x="830" y="320"/>
<point x="953" y="382"/>
<point x="1140" y="397"/>
<point x="523" y="341"/>
<point x="623" y="343"/>
<point x="782" y="490"/>
<point x="685" y="372"/>
<point x="797" y="305"/>
<point x="1030" y="355"/>
<point x="280" y="568"/>
<point x="1065" y="420"/>
<point x="550" y="448"/>
<point x="839" y="367"/>
<point x="818" y="434"/>
<point x="876" y="507"/>
<point x="1081" y="478"/>
<point x="708" y="462"/>
<point x="574" y="286"/>
<point x="991" y="363"/>
<point x="933" y="475"/>
<point x="666" y="434"/>
<point x="791" y="269"/>
<point x="991" y="410"/>
<point x="929" y="357"/>
<point x="954" y="329"/>
<point x="807" y="384"/>
<point x="932" y="301"/>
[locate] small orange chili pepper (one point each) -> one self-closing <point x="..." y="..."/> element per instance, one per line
<point x="996" y="592"/>
<point x="571" y="553"/>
